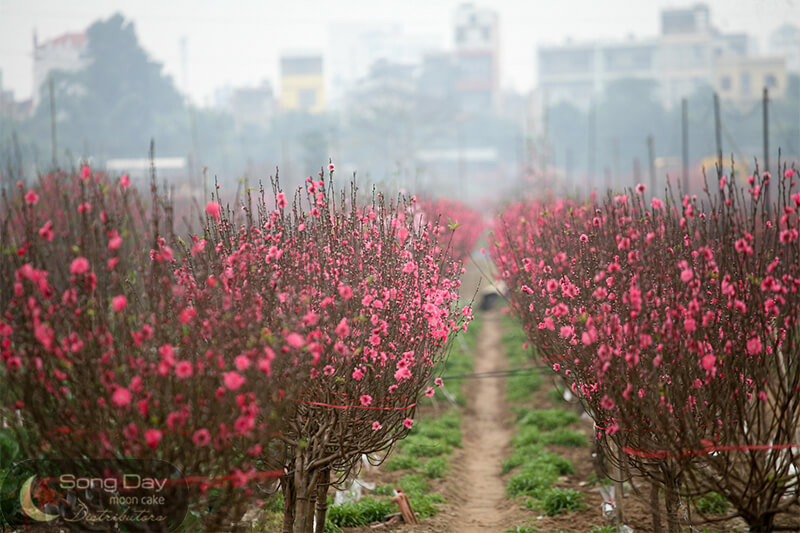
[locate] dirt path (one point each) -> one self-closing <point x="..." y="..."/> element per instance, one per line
<point x="486" y="438"/>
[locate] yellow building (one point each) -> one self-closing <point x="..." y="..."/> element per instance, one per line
<point x="742" y="79"/>
<point x="302" y="83"/>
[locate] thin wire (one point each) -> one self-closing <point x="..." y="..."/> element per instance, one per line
<point x="500" y="373"/>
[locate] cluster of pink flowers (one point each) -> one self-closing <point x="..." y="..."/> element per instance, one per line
<point x="458" y="226"/>
<point x="276" y="326"/>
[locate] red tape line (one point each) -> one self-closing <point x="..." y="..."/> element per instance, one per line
<point x="666" y="454"/>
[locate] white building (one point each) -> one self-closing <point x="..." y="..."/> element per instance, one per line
<point x="577" y="72"/>
<point x="681" y="59"/>
<point x="67" y="52"/>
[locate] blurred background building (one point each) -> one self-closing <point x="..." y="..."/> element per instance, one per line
<point x="477" y="42"/>
<point x="66" y="53"/>
<point x="302" y="83"/>
<point x="418" y="109"/>
<point x="688" y="54"/>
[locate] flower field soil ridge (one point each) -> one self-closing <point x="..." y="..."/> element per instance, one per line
<point x="281" y="344"/>
<point x="675" y="322"/>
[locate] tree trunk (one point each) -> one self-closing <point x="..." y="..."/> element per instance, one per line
<point x="655" y="508"/>
<point x="763" y="524"/>
<point x="619" y="487"/>
<point x="305" y="485"/>
<point x="322" y="500"/>
<point x="302" y="509"/>
<point x="312" y="504"/>
<point x="288" y="505"/>
<point x="301" y="486"/>
<point x="671" y="499"/>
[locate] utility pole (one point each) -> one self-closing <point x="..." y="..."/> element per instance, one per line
<point x="592" y="140"/>
<point x="193" y="165"/>
<point x="685" y="143"/>
<point x="718" y="131"/>
<point x="568" y="165"/>
<point x="651" y="155"/>
<point x="765" y="112"/>
<point x="53" y="124"/>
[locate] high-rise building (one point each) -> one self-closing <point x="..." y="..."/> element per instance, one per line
<point x="67" y="52"/>
<point x="476" y="40"/>
<point x="302" y="83"/>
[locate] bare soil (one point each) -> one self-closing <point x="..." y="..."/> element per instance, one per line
<point x="487" y="433"/>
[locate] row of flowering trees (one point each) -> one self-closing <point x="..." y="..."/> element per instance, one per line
<point x="458" y="226"/>
<point x="284" y="342"/>
<point x="675" y="321"/>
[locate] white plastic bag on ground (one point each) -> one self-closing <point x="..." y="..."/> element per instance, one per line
<point x="352" y="491"/>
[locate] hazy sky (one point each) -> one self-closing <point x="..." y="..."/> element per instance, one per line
<point x="238" y="42"/>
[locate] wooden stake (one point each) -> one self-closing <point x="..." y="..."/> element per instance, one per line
<point x="405" y="507"/>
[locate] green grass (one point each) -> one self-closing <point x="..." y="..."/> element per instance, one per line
<point x="537" y="457"/>
<point x="436" y="467"/>
<point x="360" y="513"/>
<point x="330" y="527"/>
<point x="401" y="462"/>
<point x="422" y="446"/>
<point x="523" y="529"/>
<point x="564" y="437"/>
<point x="556" y="501"/>
<point x="526" y="436"/>
<point x="604" y="529"/>
<point x="513" y="339"/>
<point x="546" y="419"/>
<point x="519" y="457"/>
<point x="531" y="481"/>
<point x="712" y="503"/>
<point x="520" y="387"/>
<point x="413" y="484"/>
<point x="424" y="505"/>
<point x="274" y="503"/>
<point x="446" y="429"/>
<point x="533" y="469"/>
<point x="384" y="489"/>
